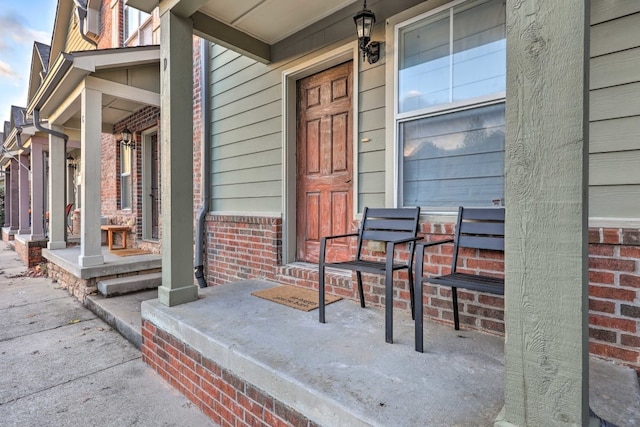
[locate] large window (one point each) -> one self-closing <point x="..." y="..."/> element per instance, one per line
<point x="451" y="66"/>
<point x="125" y="177"/>
<point x="137" y="27"/>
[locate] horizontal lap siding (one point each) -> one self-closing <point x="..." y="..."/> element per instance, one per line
<point x="246" y="132"/>
<point x="371" y="154"/>
<point x="614" y="175"/>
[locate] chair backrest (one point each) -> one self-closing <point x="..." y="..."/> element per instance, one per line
<point x="478" y="228"/>
<point x="387" y="224"/>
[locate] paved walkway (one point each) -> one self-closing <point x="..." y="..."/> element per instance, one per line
<point x="62" y="366"/>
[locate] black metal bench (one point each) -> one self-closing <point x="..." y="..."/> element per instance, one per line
<point x="477" y="228"/>
<point x="392" y="226"/>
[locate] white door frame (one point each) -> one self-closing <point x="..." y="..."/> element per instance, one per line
<point x="289" y="168"/>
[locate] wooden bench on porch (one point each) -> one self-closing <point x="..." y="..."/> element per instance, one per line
<point x="477" y="228"/>
<point x="391" y="226"/>
<point x="113" y="228"/>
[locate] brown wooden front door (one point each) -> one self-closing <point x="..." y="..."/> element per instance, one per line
<point x="324" y="161"/>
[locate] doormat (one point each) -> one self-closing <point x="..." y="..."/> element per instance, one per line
<point x="129" y="252"/>
<point x="292" y="296"/>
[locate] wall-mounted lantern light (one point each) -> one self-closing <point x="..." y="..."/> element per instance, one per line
<point x="365" y="19"/>
<point x="126" y="137"/>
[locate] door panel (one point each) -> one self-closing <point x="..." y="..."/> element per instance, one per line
<point x="324" y="161"/>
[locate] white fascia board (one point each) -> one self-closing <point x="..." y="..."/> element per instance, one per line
<point x="117" y="58"/>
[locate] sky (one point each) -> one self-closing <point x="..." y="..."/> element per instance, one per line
<point x="21" y="23"/>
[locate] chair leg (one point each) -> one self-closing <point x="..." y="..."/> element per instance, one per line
<point x="321" y="293"/>
<point x="360" y="291"/>
<point x="388" y="302"/>
<point x="456" y="320"/>
<point x="411" y="294"/>
<point x="418" y="300"/>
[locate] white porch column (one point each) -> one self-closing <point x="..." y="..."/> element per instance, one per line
<point x="14" y="196"/>
<point x="37" y="203"/>
<point x="7" y="198"/>
<point x="57" y="170"/>
<point x="176" y="131"/>
<point x="24" y="191"/>
<point x="90" y="148"/>
<point x="546" y="162"/>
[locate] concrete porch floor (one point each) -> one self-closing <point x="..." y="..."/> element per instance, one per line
<point x="67" y="259"/>
<point x="343" y="373"/>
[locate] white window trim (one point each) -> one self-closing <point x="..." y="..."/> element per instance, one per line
<point x="393" y="118"/>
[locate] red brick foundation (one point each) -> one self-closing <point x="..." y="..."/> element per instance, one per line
<point x="30" y="252"/>
<point x="242" y="247"/>
<point x="226" y="398"/>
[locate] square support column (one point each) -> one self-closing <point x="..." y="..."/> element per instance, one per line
<point x="91" y="150"/>
<point x="57" y="171"/>
<point x="24" y="192"/>
<point x="7" y="198"/>
<point x="14" y="195"/>
<point x="546" y="229"/>
<point x="37" y="190"/>
<point x="176" y="131"/>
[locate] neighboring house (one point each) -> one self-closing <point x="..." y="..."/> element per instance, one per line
<point x="435" y="122"/>
<point x="97" y="79"/>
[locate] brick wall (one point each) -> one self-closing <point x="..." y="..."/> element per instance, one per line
<point x="30" y="252"/>
<point x="241" y="247"/>
<point x="142" y="120"/>
<point x="614" y="299"/>
<point x="224" y="397"/>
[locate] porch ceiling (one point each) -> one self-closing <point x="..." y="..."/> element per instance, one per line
<point x="251" y="27"/>
<point x="271" y="20"/>
<point x="128" y="78"/>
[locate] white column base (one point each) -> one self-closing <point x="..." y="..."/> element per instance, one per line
<point x="57" y="245"/>
<point x="90" y="261"/>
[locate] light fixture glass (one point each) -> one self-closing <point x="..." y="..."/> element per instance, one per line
<point x="126" y="137"/>
<point x="365" y="20"/>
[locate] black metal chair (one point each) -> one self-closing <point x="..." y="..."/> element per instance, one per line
<point x="391" y="226"/>
<point x="477" y="228"/>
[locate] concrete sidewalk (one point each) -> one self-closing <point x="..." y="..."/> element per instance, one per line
<point x="63" y="366"/>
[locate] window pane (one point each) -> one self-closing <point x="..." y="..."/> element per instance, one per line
<point x="454" y="159"/>
<point x="424" y="71"/>
<point x="125" y="177"/>
<point x="125" y="192"/>
<point x="437" y="69"/>
<point x="479" y="49"/>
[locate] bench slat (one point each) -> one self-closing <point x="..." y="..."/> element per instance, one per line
<point x="392" y="213"/>
<point x="494" y="285"/>
<point x="390" y="224"/>
<point x="491" y="243"/>
<point x="385" y="236"/>
<point x="491" y="228"/>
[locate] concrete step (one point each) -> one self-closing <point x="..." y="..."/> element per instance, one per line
<point x="128" y="284"/>
<point x="122" y="313"/>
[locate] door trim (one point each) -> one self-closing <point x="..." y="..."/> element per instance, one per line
<point x="289" y="170"/>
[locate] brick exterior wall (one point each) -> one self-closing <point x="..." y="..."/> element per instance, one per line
<point x="226" y="398"/>
<point x="140" y="121"/>
<point x="30" y="252"/>
<point x="614" y="294"/>
<point x="240" y="247"/>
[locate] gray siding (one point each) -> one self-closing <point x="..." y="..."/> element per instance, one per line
<point x="246" y="132"/>
<point x="614" y="159"/>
